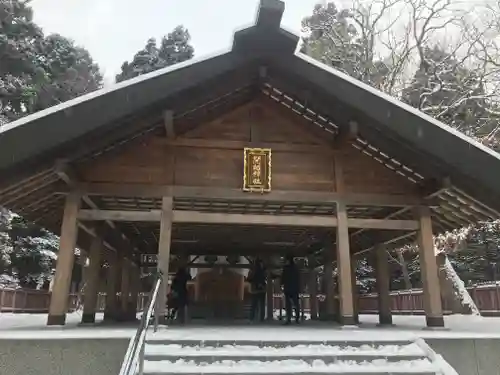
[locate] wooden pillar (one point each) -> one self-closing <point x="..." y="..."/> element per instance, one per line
<point x="382" y="275"/>
<point x="428" y="266"/>
<point x="85" y="273"/>
<point x="65" y="259"/>
<point x="112" y="284"/>
<point x="330" y="286"/>
<point x="302" y="306"/>
<point x="164" y="255"/>
<point x="344" y="267"/>
<point x="125" y="289"/>
<point x="92" y="274"/>
<point x="354" y="289"/>
<point x="135" y="284"/>
<point x="269" y="297"/>
<point x="277" y="301"/>
<point x="313" y="294"/>
<point x="241" y="291"/>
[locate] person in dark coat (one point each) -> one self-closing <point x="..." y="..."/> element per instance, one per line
<point x="180" y="293"/>
<point x="290" y="279"/>
<point x="257" y="280"/>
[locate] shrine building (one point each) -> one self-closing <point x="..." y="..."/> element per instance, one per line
<point x="258" y="151"/>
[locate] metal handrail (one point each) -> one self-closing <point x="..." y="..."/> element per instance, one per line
<point x="135" y="351"/>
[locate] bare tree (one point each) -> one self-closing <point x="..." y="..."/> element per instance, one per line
<point x="389" y="43"/>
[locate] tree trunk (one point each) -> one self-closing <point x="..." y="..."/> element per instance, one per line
<point x="404" y="267"/>
<point x="453" y="288"/>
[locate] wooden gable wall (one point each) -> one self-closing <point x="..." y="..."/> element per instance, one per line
<point x="212" y="155"/>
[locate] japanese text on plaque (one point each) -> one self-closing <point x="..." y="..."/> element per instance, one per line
<point x="257" y="173"/>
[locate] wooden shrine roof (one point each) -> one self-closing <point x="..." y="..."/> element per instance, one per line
<point x="262" y="61"/>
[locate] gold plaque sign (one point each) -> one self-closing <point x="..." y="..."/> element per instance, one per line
<point x="257" y="169"/>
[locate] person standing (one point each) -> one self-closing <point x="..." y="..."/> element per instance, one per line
<point x="180" y="293"/>
<point x="290" y="279"/>
<point x="257" y="280"/>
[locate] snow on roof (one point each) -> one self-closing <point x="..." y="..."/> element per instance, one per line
<point x="396" y="102"/>
<point x="106" y="90"/>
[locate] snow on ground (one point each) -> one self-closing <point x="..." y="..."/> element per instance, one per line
<point x="406" y="327"/>
<point x="33" y="326"/>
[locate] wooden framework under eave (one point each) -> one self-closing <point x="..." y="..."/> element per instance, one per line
<point x="40" y="197"/>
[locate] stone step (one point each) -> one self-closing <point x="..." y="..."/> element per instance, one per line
<point x="308" y="352"/>
<point x="419" y="366"/>
<point x="158" y="339"/>
<point x="297" y="373"/>
<point x="310" y="358"/>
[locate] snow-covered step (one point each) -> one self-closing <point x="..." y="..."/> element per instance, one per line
<point x="163" y="356"/>
<point x="159" y="338"/>
<point x="268" y="352"/>
<point x="247" y="367"/>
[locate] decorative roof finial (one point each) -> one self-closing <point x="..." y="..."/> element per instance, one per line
<point x="270" y="13"/>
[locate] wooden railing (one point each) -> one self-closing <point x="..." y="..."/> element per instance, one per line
<point x="24" y="300"/>
<point x="486" y="297"/>
<point x="37" y="301"/>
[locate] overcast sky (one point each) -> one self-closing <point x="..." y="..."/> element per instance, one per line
<point x="114" y="30"/>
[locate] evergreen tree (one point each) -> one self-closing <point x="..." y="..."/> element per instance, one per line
<point x="20" y="43"/>
<point x="174" y="48"/>
<point x="64" y="71"/>
<point x="5" y="249"/>
<point x="334" y="39"/>
<point x="37" y="72"/>
<point x="365" y="276"/>
<point x="32" y="254"/>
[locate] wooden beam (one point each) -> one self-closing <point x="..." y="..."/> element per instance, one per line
<point x="209" y="218"/>
<point x="114" y="215"/>
<point x="168" y="121"/>
<point x="239" y="145"/>
<point x="95" y="233"/>
<point x="388" y="242"/>
<point x="194" y="192"/>
<point x="455" y="192"/>
<point x="394" y="214"/>
<point x="432" y="200"/>
<point x="124" y="190"/>
<point x="228" y="249"/>
<point x="383" y="224"/>
<point x="252" y="219"/>
<point x="17" y="198"/>
<point x="181" y="216"/>
<point x="218" y="266"/>
<point x="70" y="177"/>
